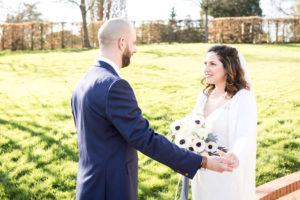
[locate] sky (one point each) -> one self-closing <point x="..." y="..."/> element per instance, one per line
<point x="137" y="10"/>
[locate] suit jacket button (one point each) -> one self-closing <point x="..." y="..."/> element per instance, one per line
<point x="186" y="174"/>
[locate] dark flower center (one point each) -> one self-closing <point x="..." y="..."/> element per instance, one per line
<point x="191" y="148"/>
<point x="197" y="121"/>
<point x="177" y="128"/>
<point x="198" y="144"/>
<point x="182" y="141"/>
<point x="210" y="146"/>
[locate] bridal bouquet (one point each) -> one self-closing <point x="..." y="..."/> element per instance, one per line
<point x="190" y="133"/>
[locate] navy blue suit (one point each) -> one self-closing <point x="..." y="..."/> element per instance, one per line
<point x="110" y="129"/>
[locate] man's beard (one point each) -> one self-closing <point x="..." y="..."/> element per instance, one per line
<point x="126" y="58"/>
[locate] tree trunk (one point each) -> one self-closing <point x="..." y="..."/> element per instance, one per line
<point x="100" y="9"/>
<point x="92" y="12"/>
<point x="108" y="9"/>
<point x="41" y="36"/>
<point x="31" y="37"/>
<point x="277" y="22"/>
<point x="206" y="24"/>
<point x="62" y="36"/>
<point x="86" y="42"/>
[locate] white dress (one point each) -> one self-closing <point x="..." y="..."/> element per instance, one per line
<point x="239" y="184"/>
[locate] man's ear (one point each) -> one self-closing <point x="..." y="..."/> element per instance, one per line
<point x="122" y="43"/>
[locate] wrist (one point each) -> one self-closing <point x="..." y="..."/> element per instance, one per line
<point x="204" y="163"/>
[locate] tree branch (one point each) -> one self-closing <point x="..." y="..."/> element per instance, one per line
<point x="91" y="5"/>
<point x="283" y="11"/>
<point x="278" y="6"/>
<point x="70" y="1"/>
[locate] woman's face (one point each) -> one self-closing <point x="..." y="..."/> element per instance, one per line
<point x="213" y="70"/>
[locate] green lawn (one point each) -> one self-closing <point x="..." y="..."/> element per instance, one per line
<point x="38" y="154"/>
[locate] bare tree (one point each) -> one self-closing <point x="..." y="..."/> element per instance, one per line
<point x="100" y="9"/>
<point x="203" y="4"/>
<point x="84" y="6"/>
<point x="92" y="11"/>
<point x="27" y="13"/>
<point x="279" y="5"/>
<point x="107" y="9"/>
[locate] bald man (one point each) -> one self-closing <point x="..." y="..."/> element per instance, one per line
<point x="111" y="128"/>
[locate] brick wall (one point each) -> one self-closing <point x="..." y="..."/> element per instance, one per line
<point x="280" y="188"/>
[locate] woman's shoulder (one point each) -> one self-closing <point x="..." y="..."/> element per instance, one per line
<point x="245" y="96"/>
<point x="243" y="92"/>
<point x="201" y="98"/>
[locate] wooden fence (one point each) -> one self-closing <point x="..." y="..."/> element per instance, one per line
<point x="32" y="36"/>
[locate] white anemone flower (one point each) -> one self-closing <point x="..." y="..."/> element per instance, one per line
<point x="181" y="140"/>
<point x="199" y="145"/>
<point x="191" y="140"/>
<point x="187" y="118"/>
<point x="191" y="148"/>
<point x="198" y="120"/>
<point x="201" y="132"/>
<point x="176" y="126"/>
<point x="211" y="147"/>
<point x="187" y="126"/>
<point x="185" y="130"/>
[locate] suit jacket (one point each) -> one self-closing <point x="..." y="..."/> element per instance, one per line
<point x="110" y="129"/>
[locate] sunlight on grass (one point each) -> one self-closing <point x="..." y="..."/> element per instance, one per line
<point x="37" y="136"/>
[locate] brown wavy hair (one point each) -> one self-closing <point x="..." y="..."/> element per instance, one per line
<point x="235" y="76"/>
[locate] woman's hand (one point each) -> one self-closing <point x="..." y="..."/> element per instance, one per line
<point x="218" y="164"/>
<point x="234" y="161"/>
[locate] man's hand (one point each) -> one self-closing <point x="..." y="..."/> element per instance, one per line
<point x="218" y="164"/>
<point x="231" y="157"/>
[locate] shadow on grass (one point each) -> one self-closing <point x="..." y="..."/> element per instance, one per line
<point x="154" y="192"/>
<point x="11" y="189"/>
<point x="9" y="146"/>
<point x="63" y="150"/>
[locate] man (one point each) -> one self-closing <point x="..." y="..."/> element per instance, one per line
<point x="111" y="128"/>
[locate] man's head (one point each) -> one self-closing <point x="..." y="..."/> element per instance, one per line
<point x="118" y="37"/>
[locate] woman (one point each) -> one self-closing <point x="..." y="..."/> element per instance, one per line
<point x="228" y="105"/>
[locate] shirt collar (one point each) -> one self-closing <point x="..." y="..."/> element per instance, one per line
<point x="108" y="61"/>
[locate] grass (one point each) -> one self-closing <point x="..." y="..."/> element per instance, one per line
<point x="38" y="142"/>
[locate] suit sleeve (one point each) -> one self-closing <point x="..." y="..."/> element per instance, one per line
<point x="123" y="112"/>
